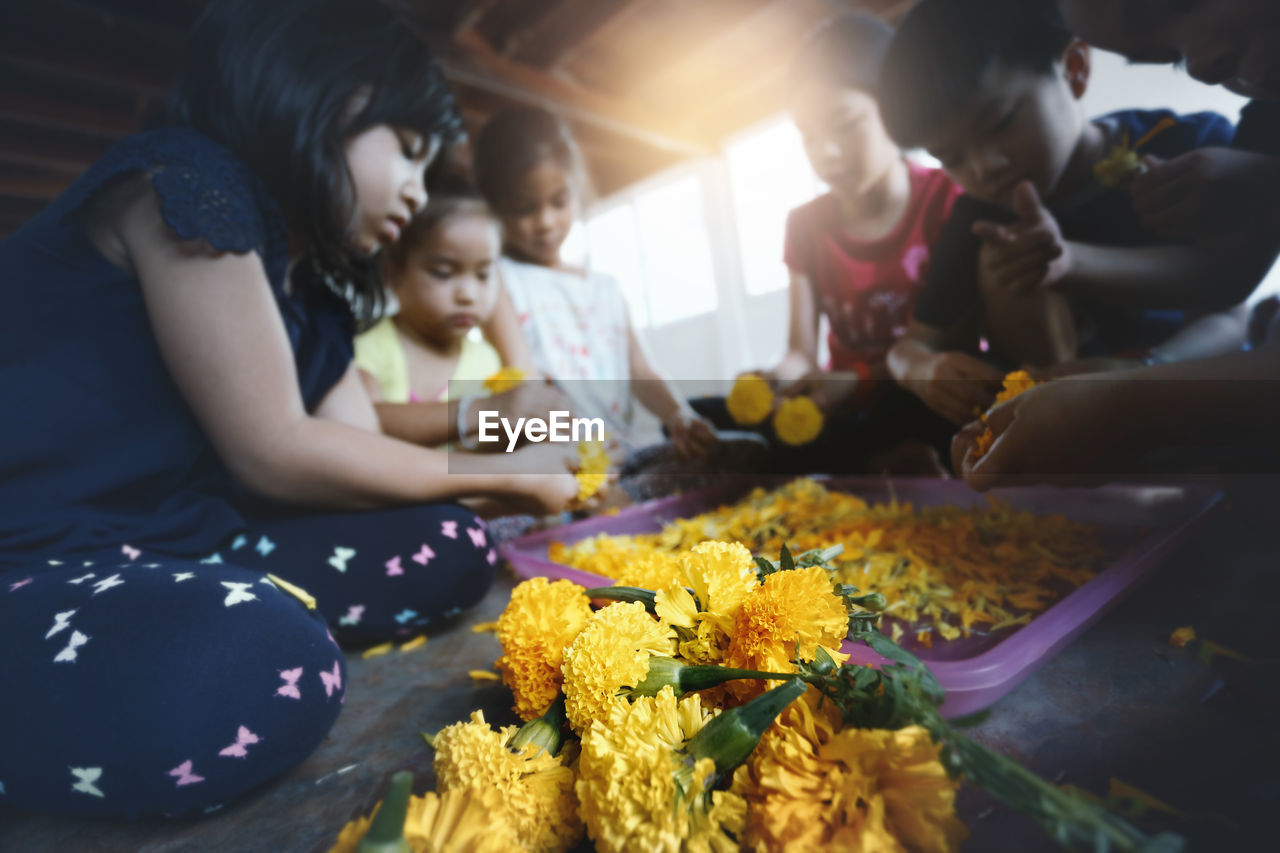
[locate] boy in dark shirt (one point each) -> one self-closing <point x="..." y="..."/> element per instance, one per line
<point x="1039" y="259"/>
<point x="1070" y="430"/>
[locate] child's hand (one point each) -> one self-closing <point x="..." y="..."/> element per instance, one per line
<point x="1027" y="255"/>
<point x="1210" y="192"/>
<point x="545" y="480"/>
<point x="692" y="437"/>
<point x="828" y="389"/>
<point x="1062" y="432"/>
<point x="957" y="386"/>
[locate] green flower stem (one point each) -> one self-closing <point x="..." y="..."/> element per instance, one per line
<point x="690" y="678"/>
<point x="729" y="738"/>
<point x="543" y="732"/>
<point x="1069" y="819"/>
<point x="647" y="597"/>
<point x="386" y="833"/>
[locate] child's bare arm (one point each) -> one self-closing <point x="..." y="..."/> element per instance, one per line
<point x="221" y="337"/>
<point x="952" y="383"/>
<point x="1086" y="428"/>
<point x="690" y="432"/>
<point x="503" y="331"/>
<point x="1215" y="334"/>
<point x="801" y="357"/>
<point x="1196" y="278"/>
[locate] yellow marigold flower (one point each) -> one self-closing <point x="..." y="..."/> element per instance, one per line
<point x="540" y="621"/>
<point x="790" y="615"/>
<point x="655" y="570"/>
<point x="1014" y="384"/>
<point x="750" y="401"/>
<point x="811" y="786"/>
<point x="721" y="575"/>
<point x="535" y="788"/>
<point x="611" y="652"/>
<point x="504" y="380"/>
<point x="798" y="421"/>
<point x="637" y="791"/>
<point x="454" y="822"/>
<point x="593" y="468"/>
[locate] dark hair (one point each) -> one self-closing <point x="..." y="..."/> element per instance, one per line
<point x="283" y="84"/>
<point x="445" y="199"/>
<point x="845" y="52"/>
<point x="943" y="48"/>
<point x="516" y="141"/>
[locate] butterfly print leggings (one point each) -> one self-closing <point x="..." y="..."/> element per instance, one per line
<point x="137" y="684"/>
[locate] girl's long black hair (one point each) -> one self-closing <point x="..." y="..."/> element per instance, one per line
<point x="284" y="83"/>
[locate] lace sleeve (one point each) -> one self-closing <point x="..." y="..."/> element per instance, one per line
<point x="205" y="193"/>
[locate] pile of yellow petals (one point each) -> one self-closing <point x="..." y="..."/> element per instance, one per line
<point x="750" y="400"/>
<point x="530" y="791"/>
<point x="947" y="569"/>
<point x="1014" y="384"/>
<point x="612" y="651"/>
<point x="811" y="786"/>
<point x="504" y="380"/>
<point x="639" y="792"/>
<point x="593" y="469"/>
<point x="536" y="627"/>
<point x="454" y="822"/>
<point x="798" y="421"/>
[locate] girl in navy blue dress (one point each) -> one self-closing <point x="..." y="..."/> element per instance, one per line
<point x="175" y="398"/>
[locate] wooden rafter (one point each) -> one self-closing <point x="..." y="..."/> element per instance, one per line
<point x="469" y="14"/>
<point x="563" y="25"/>
<point x="471" y="62"/>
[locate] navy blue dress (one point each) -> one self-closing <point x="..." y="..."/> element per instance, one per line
<point x="98" y="446"/>
<point x="151" y="622"/>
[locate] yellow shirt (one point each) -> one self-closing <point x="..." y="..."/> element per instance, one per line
<point x="380" y="353"/>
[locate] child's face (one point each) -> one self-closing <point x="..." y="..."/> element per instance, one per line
<point x="445" y="287"/>
<point x="843" y="137"/>
<point x="1021" y="126"/>
<point x="541" y="213"/>
<point x="1232" y="42"/>
<point x="388" y="167"/>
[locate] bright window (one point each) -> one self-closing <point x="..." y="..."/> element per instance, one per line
<point x="656" y="244"/>
<point x="615" y="250"/>
<point x="679" y="278"/>
<point x="769" y="175"/>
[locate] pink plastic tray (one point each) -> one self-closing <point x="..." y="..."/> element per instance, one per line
<point x="978" y="670"/>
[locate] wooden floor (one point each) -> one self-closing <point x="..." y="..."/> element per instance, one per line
<point x="1118" y="702"/>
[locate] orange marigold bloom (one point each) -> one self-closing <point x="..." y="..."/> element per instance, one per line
<point x="811" y="786"/>
<point x="788" y="616"/>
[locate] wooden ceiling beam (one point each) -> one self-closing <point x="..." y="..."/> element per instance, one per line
<point x="32" y="184"/>
<point x="743" y="38"/>
<point x="14" y="212"/>
<point x="569" y="51"/>
<point x="563" y="26"/>
<point x="26" y="107"/>
<point x="471" y="62"/>
<point x="469" y="15"/>
<point x="23" y="145"/>
<point x="71" y="39"/>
